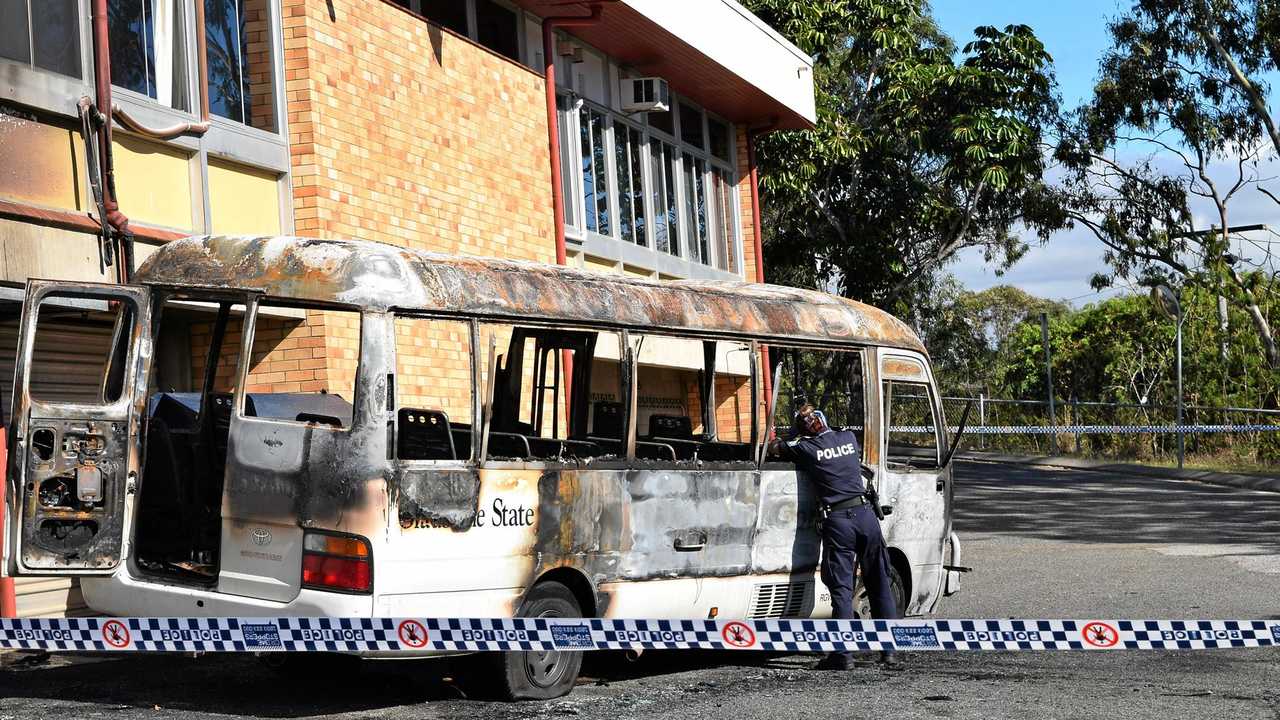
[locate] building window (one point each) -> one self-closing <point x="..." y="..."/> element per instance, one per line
<point x="627" y="144"/>
<point x="497" y="28"/>
<point x="724" y="212"/>
<point x="493" y="24"/>
<point x="718" y="139"/>
<point x="662" y="185"/>
<point x="451" y="14"/>
<point x="691" y="125"/>
<point x="592" y="126"/>
<point x="695" y="208"/>
<point x="148" y="49"/>
<point x="241" y="78"/>
<point x="46" y="37"/>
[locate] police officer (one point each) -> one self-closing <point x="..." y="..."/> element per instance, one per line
<point x="851" y="534"/>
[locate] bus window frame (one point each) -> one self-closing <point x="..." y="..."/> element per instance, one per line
<point x="483" y="390"/>
<point x="248" y="329"/>
<point x="477" y="389"/>
<point x="925" y="379"/>
<point x="870" y="394"/>
<point x="757" y="419"/>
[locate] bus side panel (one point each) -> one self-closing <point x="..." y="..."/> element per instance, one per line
<point x="617" y="528"/>
<point x="787" y="537"/>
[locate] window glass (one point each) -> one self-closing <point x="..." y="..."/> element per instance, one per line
<point x="666" y="224"/>
<point x="241" y="78"/>
<point x="595" y="183"/>
<point x="909" y="419"/>
<point x="52" y="26"/>
<point x="663" y="121"/>
<point x="726" y="220"/>
<point x="496" y="28"/>
<point x="833" y="380"/>
<point x="627" y="143"/>
<point x="693" y="399"/>
<point x="718" y="138"/>
<point x="691" y="125"/>
<point x="56" y="34"/>
<point x="568" y="159"/>
<point x="434" y="390"/>
<point x="541" y="411"/>
<point x="72" y="347"/>
<point x="15" y="39"/>
<point x="148" y="53"/>
<point x="695" y="207"/>
<point x="451" y="14"/>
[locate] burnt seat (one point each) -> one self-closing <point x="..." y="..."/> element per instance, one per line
<point x="425" y="435"/>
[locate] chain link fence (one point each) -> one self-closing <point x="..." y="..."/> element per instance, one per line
<point x="1227" y="437"/>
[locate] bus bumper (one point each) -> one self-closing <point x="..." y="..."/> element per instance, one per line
<point x="951" y="585"/>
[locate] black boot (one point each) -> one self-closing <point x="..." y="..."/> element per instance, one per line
<point x="890" y="661"/>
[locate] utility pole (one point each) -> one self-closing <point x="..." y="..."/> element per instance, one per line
<point x="1048" y="374"/>
<point x="1167" y="302"/>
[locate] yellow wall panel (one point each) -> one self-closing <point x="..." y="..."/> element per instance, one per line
<point x="41" y="164"/>
<point x="153" y="182"/>
<point x="600" y="264"/>
<point x="243" y="201"/>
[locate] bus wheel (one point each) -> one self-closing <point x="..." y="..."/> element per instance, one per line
<point x="542" y="674"/>
<point x="862" y="603"/>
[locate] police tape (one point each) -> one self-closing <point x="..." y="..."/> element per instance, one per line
<point x="425" y="635"/>
<point x="1090" y="429"/>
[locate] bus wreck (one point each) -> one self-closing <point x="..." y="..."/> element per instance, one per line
<point x="290" y="426"/>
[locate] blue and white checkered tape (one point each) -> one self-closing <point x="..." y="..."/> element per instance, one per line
<point x="418" y="635"/>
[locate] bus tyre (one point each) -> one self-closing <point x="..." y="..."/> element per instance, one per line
<point x="896" y="587"/>
<point x="542" y="674"/>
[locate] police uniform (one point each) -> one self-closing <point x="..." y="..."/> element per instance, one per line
<point x="851" y="532"/>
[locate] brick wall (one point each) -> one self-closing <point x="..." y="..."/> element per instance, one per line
<point x="404" y="133"/>
<point x="289" y="355"/>
<point x="744" y="207"/>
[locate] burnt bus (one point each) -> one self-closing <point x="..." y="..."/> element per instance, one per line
<point x="286" y="426"/>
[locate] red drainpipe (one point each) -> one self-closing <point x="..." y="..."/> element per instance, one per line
<point x="8" y="600"/>
<point x="757" y="234"/>
<point x="549" y="25"/>
<point x="102" y="84"/>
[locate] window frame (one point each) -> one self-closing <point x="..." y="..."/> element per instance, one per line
<point x="886" y="421"/>
<point x="869" y="397"/>
<point x="683" y="256"/>
<point x="474" y="356"/>
<point x="473" y="25"/>
<point x="248" y="333"/>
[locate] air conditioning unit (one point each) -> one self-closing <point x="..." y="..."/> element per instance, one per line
<point x="646" y="94"/>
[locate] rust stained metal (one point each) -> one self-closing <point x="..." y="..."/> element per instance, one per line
<point x="379" y="276"/>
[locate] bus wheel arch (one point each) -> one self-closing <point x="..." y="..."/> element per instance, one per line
<point x="582" y="588"/>
<point x="902" y="565"/>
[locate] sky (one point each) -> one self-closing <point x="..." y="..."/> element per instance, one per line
<point x="1075" y="34"/>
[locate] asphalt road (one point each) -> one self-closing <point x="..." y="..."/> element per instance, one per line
<point x="1044" y="543"/>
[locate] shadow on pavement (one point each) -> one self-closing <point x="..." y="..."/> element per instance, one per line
<point x="242" y="685"/>
<point x="1085" y="506"/>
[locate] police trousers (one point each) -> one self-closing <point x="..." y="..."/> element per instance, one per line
<point x="852" y="538"/>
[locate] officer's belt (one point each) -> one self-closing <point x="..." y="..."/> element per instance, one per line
<point x="854" y="501"/>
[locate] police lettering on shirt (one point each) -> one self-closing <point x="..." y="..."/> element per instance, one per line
<point x="832" y="461"/>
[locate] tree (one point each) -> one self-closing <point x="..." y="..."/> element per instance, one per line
<point x="968" y="332"/>
<point x="915" y="156"/>
<point x="1179" y="115"/>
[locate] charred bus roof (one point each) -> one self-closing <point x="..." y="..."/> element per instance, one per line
<point x="378" y="276"/>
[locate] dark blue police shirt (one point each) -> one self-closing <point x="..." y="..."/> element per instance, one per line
<point x="833" y="460"/>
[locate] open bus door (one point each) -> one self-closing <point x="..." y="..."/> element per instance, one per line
<point x="74" y="453"/>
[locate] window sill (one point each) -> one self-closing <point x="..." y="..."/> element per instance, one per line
<point x="649" y="259"/>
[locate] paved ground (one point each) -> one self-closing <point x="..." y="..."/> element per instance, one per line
<point x="1044" y="542"/>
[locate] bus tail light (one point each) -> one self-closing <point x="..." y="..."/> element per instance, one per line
<point x="335" y="562"/>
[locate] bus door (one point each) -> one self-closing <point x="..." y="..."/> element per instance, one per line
<point x="912" y="479"/>
<point x="80" y="382"/>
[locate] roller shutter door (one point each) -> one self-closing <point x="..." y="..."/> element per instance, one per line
<point x="72" y="350"/>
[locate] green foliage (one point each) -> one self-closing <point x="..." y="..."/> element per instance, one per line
<point x="1179" y="112"/>
<point x="917" y="153"/>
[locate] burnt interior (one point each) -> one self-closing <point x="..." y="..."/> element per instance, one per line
<point x="179" y="513"/>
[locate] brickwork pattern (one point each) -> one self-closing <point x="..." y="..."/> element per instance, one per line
<point x="405" y="133"/>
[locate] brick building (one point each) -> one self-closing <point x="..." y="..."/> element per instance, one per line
<point x="420" y="123"/>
